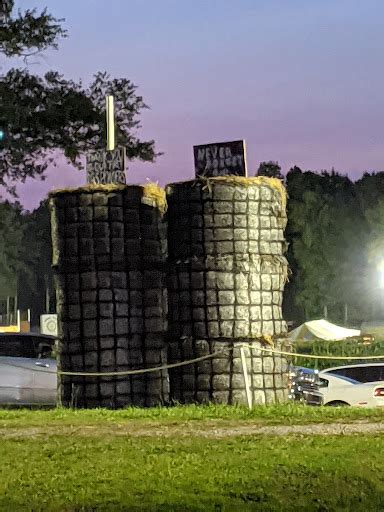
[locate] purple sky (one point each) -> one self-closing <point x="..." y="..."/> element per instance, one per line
<point x="301" y="81"/>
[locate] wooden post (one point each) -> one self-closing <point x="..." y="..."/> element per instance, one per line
<point x="345" y="314"/>
<point x="110" y="112"/>
<point x="246" y="380"/>
<point x="325" y="312"/>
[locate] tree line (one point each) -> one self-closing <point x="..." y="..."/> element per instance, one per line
<point x="335" y="233"/>
<point x="25" y="259"/>
<point x="335" y="236"/>
<point x="335" y="249"/>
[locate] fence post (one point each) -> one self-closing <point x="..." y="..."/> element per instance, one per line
<point x="246" y="379"/>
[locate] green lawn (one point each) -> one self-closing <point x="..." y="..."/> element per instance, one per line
<point x="263" y="415"/>
<point x="77" y="471"/>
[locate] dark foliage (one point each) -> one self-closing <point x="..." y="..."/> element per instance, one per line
<point x="44" y="115"/>
<point x="28" y="32"/>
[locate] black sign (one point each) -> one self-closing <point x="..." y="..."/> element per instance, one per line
<point x="105" y="167"/>
<point x="220" y="159"/>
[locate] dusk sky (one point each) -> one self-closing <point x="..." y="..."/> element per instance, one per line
<point x="301" y="81"/>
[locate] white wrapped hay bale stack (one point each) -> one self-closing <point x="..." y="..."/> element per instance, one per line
<point x="227" y="270"/>
<point x="220" y="379"/>
<point x="109" y="254"/>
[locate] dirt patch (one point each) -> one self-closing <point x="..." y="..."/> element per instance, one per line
<point x="209" y="430"/>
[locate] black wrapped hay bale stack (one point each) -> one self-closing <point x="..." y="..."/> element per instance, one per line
<point x="109" y="254"/>
<point x="226" y="278"/>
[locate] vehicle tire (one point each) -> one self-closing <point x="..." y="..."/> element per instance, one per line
<point x="337" y="403"/>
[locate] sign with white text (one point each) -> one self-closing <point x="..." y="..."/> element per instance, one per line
<point x="105" y="167"/>
<point x="220" y="159"/>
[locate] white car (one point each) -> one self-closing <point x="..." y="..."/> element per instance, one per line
<point x="27" y="370"/>
<point x="338" y="390"/>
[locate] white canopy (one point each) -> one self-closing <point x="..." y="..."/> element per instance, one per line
<point x="323" y="330"/>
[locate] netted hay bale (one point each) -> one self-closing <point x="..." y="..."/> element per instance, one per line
<point x="111" y="321"/>
<point x="108" y="227"/>
<point x="109" y="354"/>
<point x="231" y="215"/>
<point x="227" y="297"/>
<point x="220" y="379"/>
<point x="110" y="247"/>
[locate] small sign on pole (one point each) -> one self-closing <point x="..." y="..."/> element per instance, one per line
<point x="105" y="167"/>
<point x="220" y="159"/>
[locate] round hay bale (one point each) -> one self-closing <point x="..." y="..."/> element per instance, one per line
<point x="108" y="227"/>
<point x="116" y="391"/>
<point x="227" y="297"/>
<point x="220" y="379"/>
<point x="231" y="215"/>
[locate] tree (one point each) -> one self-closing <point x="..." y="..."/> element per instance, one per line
<point x="306" y="214"/>
<point x="326" y="232"/>
<point x="25" y="257"/>
<point x="370" y="189"/>
<point x="27" y="33"/>
<point x="43" y="114"/>
<point x="36" y="277"/>
<point x="11" y="247"/>
<point x="270" y="169"/>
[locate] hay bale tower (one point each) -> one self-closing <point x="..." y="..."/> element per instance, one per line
<point x="109" y="252"/>
<point x="226" y="277"/>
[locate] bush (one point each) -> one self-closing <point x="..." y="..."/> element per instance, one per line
<point x="346" y="348"/>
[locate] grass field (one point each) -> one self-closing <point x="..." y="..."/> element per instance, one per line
<point x="50" y="461"/>
<point x="273" y="415"/>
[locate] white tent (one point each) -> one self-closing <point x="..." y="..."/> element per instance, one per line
<point x="321" y="329"/>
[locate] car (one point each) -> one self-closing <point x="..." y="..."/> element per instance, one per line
<point x="362" y="372"/>
<point x="28" y="371"/>
<point x="304" y="386"/>
<point x="338" y="390"/>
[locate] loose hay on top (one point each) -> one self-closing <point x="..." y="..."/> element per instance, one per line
<point x="155" y="196"/>
<point x="272" y="183"/>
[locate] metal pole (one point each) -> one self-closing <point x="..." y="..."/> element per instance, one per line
<point x="110" y="112"/>
<point x="47" y="295"/>
<point x="9" y="310"/>
<point x="15" y="306"/>
<point x="246" y="380"/>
